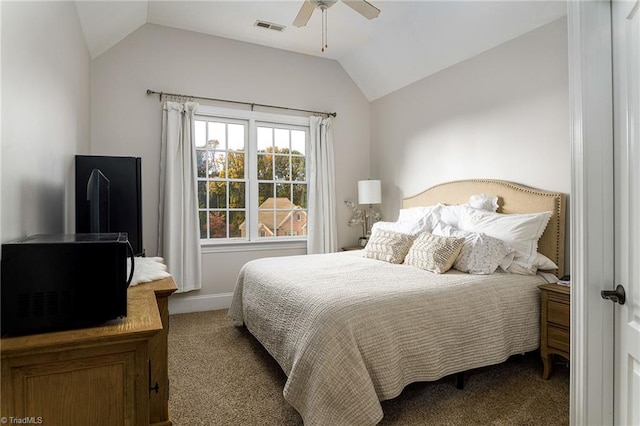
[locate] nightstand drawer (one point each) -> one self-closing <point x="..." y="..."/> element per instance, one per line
<point x="558" y="313"/>
<point x="555" y="311"/>
<point x="558" y="338"/>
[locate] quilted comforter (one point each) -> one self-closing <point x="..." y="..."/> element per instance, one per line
<point x="350" y="331"/>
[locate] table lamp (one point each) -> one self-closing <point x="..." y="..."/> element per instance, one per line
<point x="369" y="192"/>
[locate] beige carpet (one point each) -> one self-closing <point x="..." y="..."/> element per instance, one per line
<point x="221" y="375"/>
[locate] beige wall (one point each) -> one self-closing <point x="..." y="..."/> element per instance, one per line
<point x="46" y="75"/>
<point x="125" y="121"/>
<point x="503" y="114"/>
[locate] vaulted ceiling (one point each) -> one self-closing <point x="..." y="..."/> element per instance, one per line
<point x="408" y="41"/>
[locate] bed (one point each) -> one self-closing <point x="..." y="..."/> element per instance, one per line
<point x="350" y="331"/>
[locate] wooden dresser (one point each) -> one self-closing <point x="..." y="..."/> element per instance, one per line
<point x="555" y="324"/>
<point x="113" y="374"/>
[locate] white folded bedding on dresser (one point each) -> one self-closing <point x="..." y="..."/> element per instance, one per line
<point x="350" y="332"/>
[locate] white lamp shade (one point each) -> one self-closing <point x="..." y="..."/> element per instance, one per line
<point x="369" y="192"/>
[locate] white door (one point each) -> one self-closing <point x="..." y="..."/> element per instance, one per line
<point x="626" y="117"/>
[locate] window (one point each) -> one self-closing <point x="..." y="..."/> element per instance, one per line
<point x="220" y="153"/>
<point x="281" y="172"/>
<point x="252" y="176"/>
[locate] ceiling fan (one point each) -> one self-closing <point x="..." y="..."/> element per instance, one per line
<point x="363" y="7"/>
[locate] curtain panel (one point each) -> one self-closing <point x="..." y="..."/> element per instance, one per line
<point x="179" y="233"/>
<point x="321" y="223"/>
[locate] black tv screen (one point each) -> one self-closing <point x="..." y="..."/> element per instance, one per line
<point x="125" y="195"/>
<point x="98" y="199"/>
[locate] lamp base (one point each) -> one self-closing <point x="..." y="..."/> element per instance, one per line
<point x="363" y="241"/>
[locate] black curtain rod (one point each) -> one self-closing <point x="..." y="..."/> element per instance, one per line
<point x="153" y="92"/>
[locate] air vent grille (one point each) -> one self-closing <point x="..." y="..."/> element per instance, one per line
<point x="270" y="26"/>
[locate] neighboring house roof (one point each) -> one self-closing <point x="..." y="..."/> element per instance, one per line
<point x="283" y="210"/>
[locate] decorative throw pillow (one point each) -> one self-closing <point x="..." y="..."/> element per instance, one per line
<point x="520" y="231"/>
<point x="434" y="253"/>
<point x="480" y="254"/>
<point x="388" y="246"/>
<point x="484" y="202"/>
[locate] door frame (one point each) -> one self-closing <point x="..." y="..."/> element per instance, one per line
<point x="592" y="231"/>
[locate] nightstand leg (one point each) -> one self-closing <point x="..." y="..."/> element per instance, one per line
<point x="546" y="362"/>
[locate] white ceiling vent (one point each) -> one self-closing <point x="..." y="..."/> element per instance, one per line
<point x="269" y="25"/>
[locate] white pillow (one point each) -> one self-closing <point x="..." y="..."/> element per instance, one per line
<point x="415" y="213"/>
<point x="411" y="221"/>
<point x="520" y="231"/>
<point x="521" y="266"/>
<point x="480" y="254"/>
<point x="484" y="202"/>
<point x="544" y="263"/>
<point x="412" y="227"/>
<point x="451" y="214"/>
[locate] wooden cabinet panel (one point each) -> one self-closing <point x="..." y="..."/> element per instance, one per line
<point x="558" y="338"/>
<point x="104" y="385"/>
<point x="558" y="313"/>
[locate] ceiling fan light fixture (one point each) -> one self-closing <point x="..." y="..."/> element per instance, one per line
<point x="363" y="7"/>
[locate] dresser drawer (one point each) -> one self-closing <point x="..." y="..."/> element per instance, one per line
<point x="558" y="338"/>
<point x="558" y="313"/>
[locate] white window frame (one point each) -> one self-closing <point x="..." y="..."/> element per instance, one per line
<point x="253" y="240"/>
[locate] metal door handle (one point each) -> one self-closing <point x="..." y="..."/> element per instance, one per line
<point x="616" y="296"/>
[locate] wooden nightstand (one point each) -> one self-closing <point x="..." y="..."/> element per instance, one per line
<point x="349" y="248"/>
<point x="554" y="327"/>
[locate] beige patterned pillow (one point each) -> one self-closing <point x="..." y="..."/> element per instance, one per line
<point x="434" y="253"/>
<point x="389" y="246"/>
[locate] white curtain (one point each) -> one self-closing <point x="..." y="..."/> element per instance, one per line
<point x="178" y="228"/>
<point x="322" y="235"/>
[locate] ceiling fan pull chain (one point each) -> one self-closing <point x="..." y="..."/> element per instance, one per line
<point x="326" y="36"/>
<point x="324" y="27"/>
<point x="308" y="6"/>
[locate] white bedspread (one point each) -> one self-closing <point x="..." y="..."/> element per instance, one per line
<point x="350" y="332"/>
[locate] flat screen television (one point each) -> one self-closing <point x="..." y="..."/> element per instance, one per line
<point x="125" y="195"/>
<point x="98" y="199"/>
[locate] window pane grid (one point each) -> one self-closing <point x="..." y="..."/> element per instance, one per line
<point x="221" y="177"/>
<point x="275" y="189"/>
<point x="282" y="184"/>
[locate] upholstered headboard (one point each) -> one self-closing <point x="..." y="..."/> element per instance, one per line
<point x="512" y="198"/>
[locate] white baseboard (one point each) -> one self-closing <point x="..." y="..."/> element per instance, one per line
<point x="210" y="302"/>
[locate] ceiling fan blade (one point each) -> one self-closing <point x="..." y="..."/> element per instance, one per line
<point x="363" y="7"/>
<point x="304" y="14"/>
